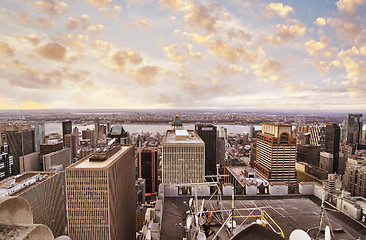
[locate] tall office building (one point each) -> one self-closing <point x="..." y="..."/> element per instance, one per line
<point x="39" y="134"/>
<point x="308" y="153"/>
<point x="317" y="136"/>
<point x="118" y="132"/>
<point x="354" y="130"/>
<point x="343" y="129"/>
<point x="326" y="161"/>
<point x="100" y="194"/>
<point x="72" y="142"/>
<point x="208" y="133"/>
<point x="97" y="127"/>
<point x="20" y="139"/>
<point x="221" y="150"/>
<point x="89" y="134"/>
<point x="56" y="160"/>
<point x="66" y="129"/>
<point x="6" y="162"/>
<point x="332" y="137"/>
<point x="221" y="145"/>
<point x="44" y="192"/>
<point x="354" y="176"/>
<point x="276" y="153"/>
<point x="251" y="131"/>
<point x="147" y="167"/>
<point x="183" y="157"/>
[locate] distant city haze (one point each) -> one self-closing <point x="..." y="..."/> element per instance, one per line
<point x="151" y="128"/>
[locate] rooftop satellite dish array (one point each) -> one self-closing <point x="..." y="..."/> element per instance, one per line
<point x="195" y="221"/>
<point x="324" y="224"/>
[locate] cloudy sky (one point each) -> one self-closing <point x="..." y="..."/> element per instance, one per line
<point x="157" y="54"/>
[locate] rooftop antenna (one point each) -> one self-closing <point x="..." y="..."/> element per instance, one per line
<point x="325" y="222"/>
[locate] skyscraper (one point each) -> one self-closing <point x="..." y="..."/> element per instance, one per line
<point x="354" y="177"/>
<point x="119" y="133"/>
<point x="44" y="192"/>
<point x="96" y="128"/>
<point x="317" y="136"/>
<point x="251" y="131"/>
<point x="332" y="137"/>
<point x="39" y="134"/>
<point x="208" y="134"/>
<point x="100" y="194"/>
<point x="72" y="142"/>
<point x="308" y="153"/>
<point x="183" y="157"/>
<point x="276" y="153"/>
<point x="66" y="129"/>
<point x="89" y="134"/>
<point x="6" y="162"/>
<point x="354" y="130"/>
<point x="20" y="139"/>
<point x="147" y="167"/>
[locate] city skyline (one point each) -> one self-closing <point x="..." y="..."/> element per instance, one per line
<point x="173" y="54"/>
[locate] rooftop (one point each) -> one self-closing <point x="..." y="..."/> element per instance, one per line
<point x="117" y="129"/>
<point x="288" y="212"/>
<point x="239" y="173"/>
<point x="86" y="163"/>
<point x="18" y="184"/>
<point x="182" y="136"/>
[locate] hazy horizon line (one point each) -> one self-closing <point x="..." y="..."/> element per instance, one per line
<point x="185" y="110"/>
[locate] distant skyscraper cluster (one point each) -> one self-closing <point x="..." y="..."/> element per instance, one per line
<point x="95" y="185"/>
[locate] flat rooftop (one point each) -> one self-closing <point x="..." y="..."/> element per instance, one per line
<point x="86" y="163"/>
<point x="15" y="185"/>
<point x="288" y="212"/>
<point x="238" y="173"/>
<point x="182" y="136"/>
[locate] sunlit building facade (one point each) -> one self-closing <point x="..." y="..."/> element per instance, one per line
<point x="317" y="136"/>
<point x="183" y="157"/>
<point x="100" y="195"/>
<point x="276" y="153"/>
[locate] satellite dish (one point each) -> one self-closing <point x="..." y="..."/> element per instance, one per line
<point x="299" y="234"/>
<point x="190" y="202"/>
<point x="189" y="222"/>
<point x="327" y="233"/>
<point x="201" y="236"/>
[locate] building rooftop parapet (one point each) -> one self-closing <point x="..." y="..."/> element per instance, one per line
<point x="20" y="182"/>
<point x="15" y="127"/>
<point x="182" y="136"/>
<point x="111" y="154"/>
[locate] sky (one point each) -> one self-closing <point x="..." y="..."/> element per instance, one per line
<point x="178" y="54"/>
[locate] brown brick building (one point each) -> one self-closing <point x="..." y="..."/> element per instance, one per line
<point x="100" y="194"/>
<point x="276" y="153"/>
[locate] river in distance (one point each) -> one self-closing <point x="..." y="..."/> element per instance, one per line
<point x="56" y="127"/>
